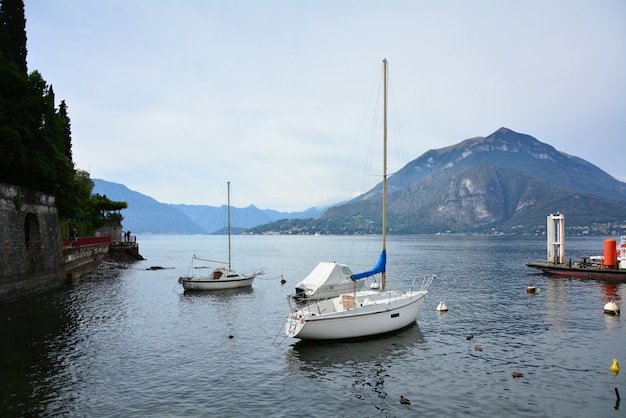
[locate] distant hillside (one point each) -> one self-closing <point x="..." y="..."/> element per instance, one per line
<point x="213" y="219"/>
<point x="146" y="215"/>
<point x="506" y="182"/>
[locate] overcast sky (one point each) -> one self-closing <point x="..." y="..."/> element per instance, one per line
<point x="175" y="98"/>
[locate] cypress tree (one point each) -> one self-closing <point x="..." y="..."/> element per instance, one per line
<point x="66" y="130"/>
<point x="14" y="37"/>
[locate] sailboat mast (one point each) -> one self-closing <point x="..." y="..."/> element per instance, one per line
<point x="384" y="215"/>
<point x="229" y="225"/>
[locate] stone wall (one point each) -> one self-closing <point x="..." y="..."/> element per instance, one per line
<point x="31" y="256"/>
<point x="112" y="228"/>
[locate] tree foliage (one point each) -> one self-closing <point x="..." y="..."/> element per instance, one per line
<point x="35" y="136"/>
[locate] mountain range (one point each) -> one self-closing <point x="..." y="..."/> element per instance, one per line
<point x="507" y="182"/>
<point x="146" y="215"/>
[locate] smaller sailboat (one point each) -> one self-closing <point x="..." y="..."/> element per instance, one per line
<point x="363" y="313"/>
<point x="220" y="277"/>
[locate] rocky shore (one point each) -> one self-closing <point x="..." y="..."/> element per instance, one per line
<point x="119" y="257"/>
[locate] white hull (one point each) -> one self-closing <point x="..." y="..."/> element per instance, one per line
<point x="205" y="284"/>
<point x="370" y="313"/>
<point x="219" y="279"/>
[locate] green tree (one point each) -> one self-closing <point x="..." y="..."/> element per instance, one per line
<point x="35" y="137"/>
<point x="13" y="23"/>
<point x="13" y="120"/>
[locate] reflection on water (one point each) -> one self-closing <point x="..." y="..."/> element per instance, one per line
<point x="28" y="371"/>
<point x="610" y="291"/>
<point x="223" y="295"/>
<point x="315" y="359"/>
<point x="359" y="369"/>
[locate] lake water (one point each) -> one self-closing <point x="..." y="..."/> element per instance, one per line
<point x="138" y="346"/>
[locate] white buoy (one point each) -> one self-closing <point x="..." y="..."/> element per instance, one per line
<point x="611" y="308"/>
<point x="442" y="307"/>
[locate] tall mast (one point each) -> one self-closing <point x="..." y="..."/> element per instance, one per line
<point x="229" y="225"/>
<point x="384" y="226"/>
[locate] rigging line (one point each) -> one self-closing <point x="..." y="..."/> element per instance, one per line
<point x="278" y="335"/>
<point x="356" y="144"/>
<point x="401" y="148"/>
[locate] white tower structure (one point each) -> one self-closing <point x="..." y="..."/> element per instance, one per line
<point x="556" y="238"/>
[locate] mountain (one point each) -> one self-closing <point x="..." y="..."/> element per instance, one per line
<point x="213" y="219"/>
<point x="506" y="181"/>
<point x="146" y="215"/>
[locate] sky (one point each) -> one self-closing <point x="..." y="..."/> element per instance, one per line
<point x="174" y="99"/>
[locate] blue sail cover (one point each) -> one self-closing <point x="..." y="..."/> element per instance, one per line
<point x="379" y="268"/>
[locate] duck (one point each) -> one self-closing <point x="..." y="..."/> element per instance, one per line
<point x="282" y="280"/>
<point x="469" y="337"/>
<point x="517" y="374"/>
<point x="478" y="348"/>
<point x="404" y="401"/>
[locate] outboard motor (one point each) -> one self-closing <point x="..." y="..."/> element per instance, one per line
<point x="300" y="288"/>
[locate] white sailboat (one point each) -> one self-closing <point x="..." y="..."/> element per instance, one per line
<point x="220" y="277"/>
<point x="366" y="312"/>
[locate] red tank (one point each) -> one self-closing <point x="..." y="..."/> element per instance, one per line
<point x="610" y="253"/>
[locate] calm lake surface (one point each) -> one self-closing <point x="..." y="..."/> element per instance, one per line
<point x="137" y="345"/>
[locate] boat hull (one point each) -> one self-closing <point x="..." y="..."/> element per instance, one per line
<point x="394" y="312"/>
<point x="579" y="271"/>
<point x="208" y="284"/>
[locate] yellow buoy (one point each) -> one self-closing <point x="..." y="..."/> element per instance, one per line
<point x="615" y="367"/>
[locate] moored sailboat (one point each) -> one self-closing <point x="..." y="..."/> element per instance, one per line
<point x="365" y="312"/>
<point x="220" y="277"/>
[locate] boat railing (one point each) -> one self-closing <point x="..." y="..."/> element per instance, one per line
<point x="426" y="281"/>
<point x="306" y="306"/>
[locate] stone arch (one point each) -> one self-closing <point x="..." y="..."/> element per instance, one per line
<point x="32" y="232"/>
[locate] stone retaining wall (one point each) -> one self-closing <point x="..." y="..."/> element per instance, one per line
<point x="31" y="258"/>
